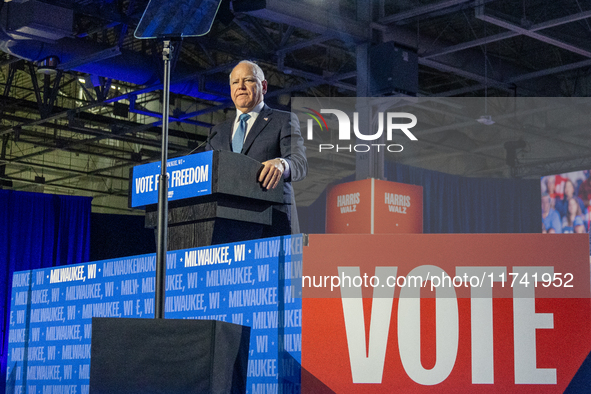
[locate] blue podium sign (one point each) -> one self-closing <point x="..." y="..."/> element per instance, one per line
<point x="188" y="176"/>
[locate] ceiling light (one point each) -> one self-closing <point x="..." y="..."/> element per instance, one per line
<point x="485" y="120"/>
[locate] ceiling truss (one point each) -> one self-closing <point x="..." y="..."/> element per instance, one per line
<point x="73" y="132"/>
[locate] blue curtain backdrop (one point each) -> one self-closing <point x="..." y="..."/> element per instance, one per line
<point x="38" y="231"/>
<point x="455" y="204"/>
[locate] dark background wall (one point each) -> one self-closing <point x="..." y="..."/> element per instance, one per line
<point x="114" y="236"/>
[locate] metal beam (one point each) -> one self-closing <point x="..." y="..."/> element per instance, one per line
<point x="421" y="11"/>
<point x="245" y="28"/>
<point x="466" y="74"/>
<point x="462" y="91"/>
<point x="333" y="80"/>
<point x="523" y="77"/>
<point x="57" y="169"/>
<point x="554" y="167"/>
<point x="527" y="32"/>
<point x="67" y="187"/>
<point x="91" y="58"/>
<point x="9" y="79"/>
<point x="315" y="19"/>
<point x="470" y="44"/>
<point x="95" y="172"/>
<point x="286" y="36"/>
<point x="257" y="26"/>
<point x="86" y="117"/>
<point x="304" y="44"/>
<point x="507" y="35"/>
<point x="550" y="71"/>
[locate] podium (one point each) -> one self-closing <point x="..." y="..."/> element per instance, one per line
<point x="168" y="356"/>
<point x="214" y="197"/>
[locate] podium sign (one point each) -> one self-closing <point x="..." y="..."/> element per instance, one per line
<point x="188" y="176"/>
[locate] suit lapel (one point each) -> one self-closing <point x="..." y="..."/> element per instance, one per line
<point x="226" y="134"/>
<point x="262" y="121"/>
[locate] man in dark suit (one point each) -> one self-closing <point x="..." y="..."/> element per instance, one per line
<point x="266" y="135"/>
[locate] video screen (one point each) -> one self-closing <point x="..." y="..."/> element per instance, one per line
<point x="566" y="205"/>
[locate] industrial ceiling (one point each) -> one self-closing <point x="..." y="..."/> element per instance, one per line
<point x="81" y="96"/>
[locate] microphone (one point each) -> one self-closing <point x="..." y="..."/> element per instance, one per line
<point x="209" y="137"/>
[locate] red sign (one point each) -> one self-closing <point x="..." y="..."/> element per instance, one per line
<point x="484" y="313"/>
<point x="372" y="206"/>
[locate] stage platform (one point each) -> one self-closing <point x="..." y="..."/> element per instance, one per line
<point x="419" y="312"/>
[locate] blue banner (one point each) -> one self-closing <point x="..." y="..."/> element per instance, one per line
<point x="188" y="176"/>
<point x="253" y="283"/>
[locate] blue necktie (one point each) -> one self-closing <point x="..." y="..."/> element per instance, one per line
<point x="238" y="139"/>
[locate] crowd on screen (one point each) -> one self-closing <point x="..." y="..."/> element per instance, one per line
<point x="566" y="202"/>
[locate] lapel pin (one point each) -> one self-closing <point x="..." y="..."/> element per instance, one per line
<point x="266" y="119"/>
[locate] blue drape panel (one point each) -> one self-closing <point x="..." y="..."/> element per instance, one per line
<point x="455" y="204"/>
<point x="38" y="231"/>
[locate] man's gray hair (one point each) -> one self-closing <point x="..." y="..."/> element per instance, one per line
<point x="258" y="72"/>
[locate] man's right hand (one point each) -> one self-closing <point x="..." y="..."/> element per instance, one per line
<point x="271" y="173"/>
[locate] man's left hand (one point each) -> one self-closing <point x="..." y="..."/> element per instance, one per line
<point x="271" y="173"/>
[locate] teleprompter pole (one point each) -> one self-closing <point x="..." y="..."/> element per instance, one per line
<point x="163" y="192"/>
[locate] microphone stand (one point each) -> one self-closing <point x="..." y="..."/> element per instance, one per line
<point x="162" y="235"/>
<point x="209" y="137"/>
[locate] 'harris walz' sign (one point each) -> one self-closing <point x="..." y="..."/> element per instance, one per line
<point x="188" y="176"/>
